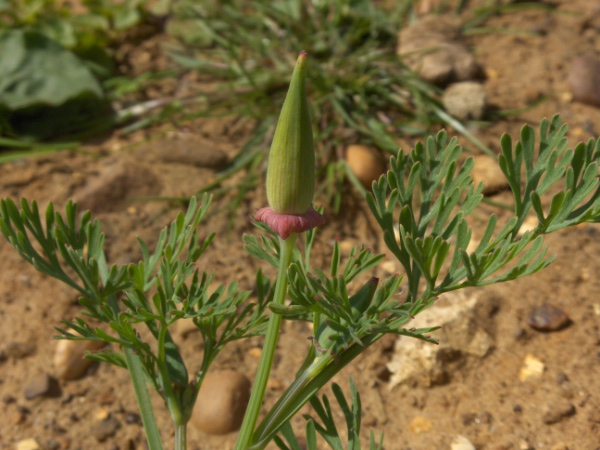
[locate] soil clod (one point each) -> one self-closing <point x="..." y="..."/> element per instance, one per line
<point x="556" y="411"/>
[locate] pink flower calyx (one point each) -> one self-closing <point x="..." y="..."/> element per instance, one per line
<point x="286" y="224"/>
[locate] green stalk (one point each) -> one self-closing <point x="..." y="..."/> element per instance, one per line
<point x="308" y="383"/>
<point x="170" y="398"/>
<point x="138" y="378"/>
<point x="181" y="437"/>
<point x="266" y="361"/>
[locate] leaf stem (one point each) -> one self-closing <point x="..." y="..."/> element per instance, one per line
<point x="268" y="353"/>
<point x="138" y="378"/>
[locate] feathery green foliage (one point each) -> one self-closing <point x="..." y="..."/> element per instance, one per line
<point x="422" y="205"/>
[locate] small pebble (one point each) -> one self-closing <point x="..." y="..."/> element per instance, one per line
<point x="366" y="163"/>
<point x="532" y="368"/>
<point x="556" y="411"/>
<point x="384" y="374"/>
<point x="432" y="46"/>
<point x="529" y="224"/>
<point x="488" y="171"/>
<point x="584" y="80"/>
<point x="461" y="443"/>
<point x="28" y="444"/>
<point x="44" y="385"/>
<point x="132" y="418"/>
<point x="17" y="418"/>
<point x="274" y="384"/>
<point x="548" y="318"/>
<point x="468" y="418"/>
<point x="51" y="444"/>
<point x="483" y="418"/>
<point x="389" y="267"/>
<point x="101" y="414"/>
<point x="105" y="397"/>
<point x="465" y="101"/>
<point x="106" y="429"/>
<point x="420" y="425"/>
<point x="524" y="445"/>
<point x="255" y="352"/>
<point x="129" y="444"/>
<point x="562" y="378"/>
<point x="221" y="402"/>
<point x="69" y="361"/>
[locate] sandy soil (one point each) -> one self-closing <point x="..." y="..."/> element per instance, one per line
<point x="482" y="397"/>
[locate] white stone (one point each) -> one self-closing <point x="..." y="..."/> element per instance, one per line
<point x="465" y="101"/>
<point x="533" y="368"/>
<point x="28" y="444"/>
<point x="461" y="443"/>
<point x="462" y="335"/>
<point x="69" y="361"/>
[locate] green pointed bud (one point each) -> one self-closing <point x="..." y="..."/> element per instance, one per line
<point x="291" y="172"/>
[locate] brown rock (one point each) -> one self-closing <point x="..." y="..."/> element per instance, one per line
<point x="222" y="402"/>
<point x="584" y="80"/>
<point x="69" y="361"/>
<point x="118" y="180"/>
<point x="548" y="318"/>
<point x="188" y="149"/>
<point x="366" y="163"/>
<point x="432" y="47"/>
<point x="556" y="411"/>
<point x="488" y="171"/>
<point x="44" y="385"/>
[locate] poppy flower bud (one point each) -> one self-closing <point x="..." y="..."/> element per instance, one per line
<point x="291" y="171"/>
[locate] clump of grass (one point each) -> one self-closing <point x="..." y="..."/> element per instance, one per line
<point x="360" y="90"/>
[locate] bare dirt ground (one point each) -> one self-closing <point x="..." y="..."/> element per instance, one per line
<point x="480" y="397"/>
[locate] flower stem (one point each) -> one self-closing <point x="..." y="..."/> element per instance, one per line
<point x="266" y="361"/>
<point x="181" y="437"/>
<point x="138" y="378"/>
